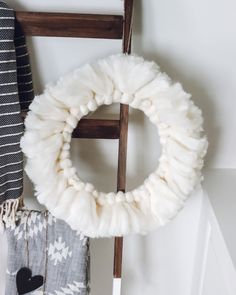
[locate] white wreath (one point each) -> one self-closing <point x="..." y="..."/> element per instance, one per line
<point x="46" y="144"/>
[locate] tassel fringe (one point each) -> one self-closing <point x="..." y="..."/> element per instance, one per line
<point x="8" y="212"/>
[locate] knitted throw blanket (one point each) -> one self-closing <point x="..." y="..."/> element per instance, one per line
<point x="16" y="93"/>
<point x="56" y="256"/>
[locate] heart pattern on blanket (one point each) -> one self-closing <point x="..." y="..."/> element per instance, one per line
<point x="26" y="283"/>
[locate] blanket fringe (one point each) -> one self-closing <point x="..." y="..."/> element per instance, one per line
<point x="8" y="211"/>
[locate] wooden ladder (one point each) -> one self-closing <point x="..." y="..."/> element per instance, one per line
<point x="92" y="26"/>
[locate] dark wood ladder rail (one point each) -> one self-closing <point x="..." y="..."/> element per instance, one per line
<point x="92" y="26"/>
<point x="52" y="24"/>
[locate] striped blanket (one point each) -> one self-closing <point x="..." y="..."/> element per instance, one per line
<point x="16" y="93"/>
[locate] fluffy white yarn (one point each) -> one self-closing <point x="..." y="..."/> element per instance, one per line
<point x="46" y="144"/>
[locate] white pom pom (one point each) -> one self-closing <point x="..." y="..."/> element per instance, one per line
<point x="99" y="99"/>
<point x="65" y="163"/>
<point x="102" y="199"/>
<point x="111" y="198"/>
<point x="84" y="110"/>
<point x="129" y="197"/>
<point x="117" y="96"/>
<point x="72" y="121"/>
<point x="72" y="181"/>
<point x="64" y="155"/>
<point x="68" y="129"/>
<point x="145" y="105"/>
<point x="108" y="100"/>
<point x="120" y="197"/>
<point x="66" y="137"/>
<point x="137" y="194"/>
<point x="75" y="112"/>
<point x="95" y="194"/>
<point x="89" y="187"/>
<point x="79" y="186"/>
<point x="126" y="98"/>
<point x="92" y="106"/>
<point x="135" y="103"/>
<point x="69" y="172"/>
<point x="66" y="147"/>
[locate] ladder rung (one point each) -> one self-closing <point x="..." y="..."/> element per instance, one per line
<point x="97" y="128"/>
<point x="71" y="25"/>
<point x="94" y="128"/>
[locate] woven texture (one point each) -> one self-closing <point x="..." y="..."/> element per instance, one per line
<point x="126" y="79"/>
<point x="16" y="93"/>
<point x="54" y="251"/>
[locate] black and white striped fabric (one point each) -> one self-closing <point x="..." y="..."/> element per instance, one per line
<point x="16" y="93"/>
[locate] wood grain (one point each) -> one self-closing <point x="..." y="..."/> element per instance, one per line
<point x="121" y="182"/>
<point x="127" y="29"/>
<point x="94" y="128"/>
<point x="70" y="25"/>
<point x="118" y="257"/>
<point x="122" y="154"/>
<point x="97" y="128"/>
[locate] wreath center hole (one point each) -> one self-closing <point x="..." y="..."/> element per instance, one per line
<point x="96" y="160"/>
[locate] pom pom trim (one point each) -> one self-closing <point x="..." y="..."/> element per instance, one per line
<point x="46" y="143"/>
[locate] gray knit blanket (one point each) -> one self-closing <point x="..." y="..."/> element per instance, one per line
<point x="16" y="93"/>
<point x="52" y="251"/>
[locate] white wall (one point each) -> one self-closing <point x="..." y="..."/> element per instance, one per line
<point x="193" y="42"/>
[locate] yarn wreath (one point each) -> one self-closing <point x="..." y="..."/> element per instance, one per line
<point x="53" y="116"/>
